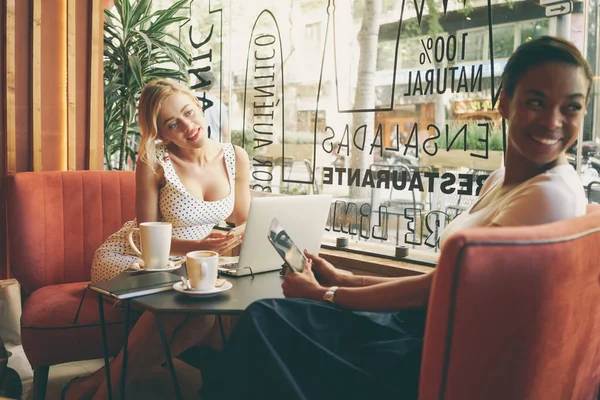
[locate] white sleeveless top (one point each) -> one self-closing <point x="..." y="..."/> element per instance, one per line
<point x="553" y="195"/>
<point x="191" y="218"/>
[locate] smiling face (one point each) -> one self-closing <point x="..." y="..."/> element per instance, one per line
<point x="181" y="121"/>
<point x="544" y="114"/>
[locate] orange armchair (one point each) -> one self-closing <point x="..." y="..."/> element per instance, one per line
<point x="514" y="313"/>
<point x="56" y="221"/>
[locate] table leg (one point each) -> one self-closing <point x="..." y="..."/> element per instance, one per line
<point x="167" y="351"/>
<point x="105" y="344"/>
<point x="124" y="370"/>
<point x="221" y="328"/>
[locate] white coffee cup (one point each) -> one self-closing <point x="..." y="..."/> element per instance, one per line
<point x="203" y="269"/>
<point x="155" y="239"/>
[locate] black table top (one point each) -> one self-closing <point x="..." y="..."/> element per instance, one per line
<point x="245" y="290"/>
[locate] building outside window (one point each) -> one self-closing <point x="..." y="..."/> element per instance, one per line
<point x="301" y="63"/>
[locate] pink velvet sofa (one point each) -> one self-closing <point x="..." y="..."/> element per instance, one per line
<point x="56" y="220"/>
<point x="515" y="314"/>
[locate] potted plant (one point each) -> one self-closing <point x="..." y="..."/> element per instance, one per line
<point x="137" y="49"/>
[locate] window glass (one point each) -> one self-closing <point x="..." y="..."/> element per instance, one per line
<point x="476" y="50"/>
<point x="533" y="29"/>
<point x="504" y="40"/>
<point x="391" y="109"/>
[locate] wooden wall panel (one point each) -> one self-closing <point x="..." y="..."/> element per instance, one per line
<point x="71" y="85"/>
<point x="96" y="138"/>
<point x="3" y="138"/>
<point x="82" y="80"/>
<point x="36" y="80"/>
<point x="53" y="113"/>
<point x="23" y="85"/>
<point x="52" y="93"/>
<point x="9" y="139"/>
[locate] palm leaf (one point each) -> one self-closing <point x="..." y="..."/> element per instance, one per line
<point x="136" y="50"/>
<point x="141" y="8"/>
<point x="146" y="40"/>
<point x="136" y="70"/>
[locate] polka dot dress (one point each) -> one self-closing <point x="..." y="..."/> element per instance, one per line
<point x="191" y="218"/>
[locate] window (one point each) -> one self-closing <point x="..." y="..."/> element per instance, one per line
<point x="312" y="36"/>
<point x="385" y="55"/>
<point x="407" y="48"/>
<point x="533" y="29"/>
<point x="312" y="45"/>
<point x="389" y="5"/>
<point x="306" y="121"/>
<point x="504" y="41"/>
<point x="477" y="48"/>
<point x="310" y="88"/>
<point x="506" y="37"/>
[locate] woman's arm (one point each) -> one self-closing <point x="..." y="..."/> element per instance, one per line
<point x="394" y="295"/>
<point x="363" y="280"/>
<point x="328" y="275"/>
<point x="218" y="242"/>
<point x="242" y="187"/>
<point x="146" y="192"/>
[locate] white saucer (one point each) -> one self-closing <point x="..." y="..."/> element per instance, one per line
<point x="203" y="293"/>
<point x="171" y="267"/>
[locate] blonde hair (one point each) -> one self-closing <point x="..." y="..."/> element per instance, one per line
<point x="153" y="95"/>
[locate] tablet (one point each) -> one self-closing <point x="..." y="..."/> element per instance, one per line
<point x="286" y="248"/>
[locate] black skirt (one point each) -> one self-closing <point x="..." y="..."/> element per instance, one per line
<point x="302" y="349"/>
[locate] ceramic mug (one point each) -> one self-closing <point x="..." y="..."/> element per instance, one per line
<point x="203" y="269"/>
<point x="155" y="239"/>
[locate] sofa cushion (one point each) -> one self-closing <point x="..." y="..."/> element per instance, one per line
<point x="514" y="313"/>
<point x="57" y="220"/>
<point x="50" y="334"/>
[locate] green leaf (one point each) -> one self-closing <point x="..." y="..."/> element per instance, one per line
<point x="166" y="17"/>
<point x="136" y="50"/>
<point x="113" y="32"/>
<point x="125" y="16"/>
<point x="146" y="40"/>
<point x="136" y="70"/>
<point x="141" y="8"/>
<point x="109" y="16"/>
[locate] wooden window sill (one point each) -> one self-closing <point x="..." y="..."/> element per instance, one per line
<point x="360" y="264"/>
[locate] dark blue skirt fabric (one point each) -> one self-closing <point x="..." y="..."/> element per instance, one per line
<point x="302" y="349"/>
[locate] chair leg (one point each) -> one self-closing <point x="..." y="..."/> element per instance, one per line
<point x="40" y="381"/>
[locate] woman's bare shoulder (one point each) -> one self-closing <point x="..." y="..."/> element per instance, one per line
<point x="241" y="157"/>
<point x="145" y="174"/>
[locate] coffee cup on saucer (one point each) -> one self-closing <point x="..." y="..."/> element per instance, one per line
<point x="155" y="240"/>
<point x="203" y="269"/>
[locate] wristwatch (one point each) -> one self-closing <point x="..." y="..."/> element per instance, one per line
<point x="330" y="294"/>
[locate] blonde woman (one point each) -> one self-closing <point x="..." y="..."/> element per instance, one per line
<point x="184" y="178"/>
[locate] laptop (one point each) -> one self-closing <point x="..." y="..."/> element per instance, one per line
<point x="304" y="218"/>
